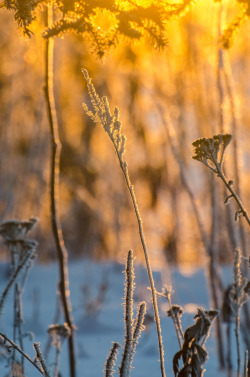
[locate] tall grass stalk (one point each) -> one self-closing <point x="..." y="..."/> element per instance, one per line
<point x="112" y="126"/>
<point x="62" y="253"/>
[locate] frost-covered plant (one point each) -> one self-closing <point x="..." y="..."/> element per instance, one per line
<point x="30" y="247"/>
<point x="238" y="297"/>
<point x="112" y="126"/>
<point x="210" y="151"/>
<point x="193" y="352"/>
<point x="235" y="297"/>
<point x="133" y="328"/>
<point x="9" y="345"/>
<point x="22" y="252"/>
<point x="16" y="229"/>
<point x="174" y="312"/>
<point x="39" y="359"/>
<point x="58" y="334"/>
<point x="110" y="363"/>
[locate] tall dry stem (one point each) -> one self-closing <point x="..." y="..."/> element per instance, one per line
<point x="112" y="126"/>
<point x="62" y="254"/>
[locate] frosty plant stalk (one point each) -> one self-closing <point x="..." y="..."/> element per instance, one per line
<point x="9" y="344"/>
<point x="58" y="334"/>
<point x="133" y="328"/>
<point x="110" y="363"/>
<point x="112" y="125"/>
<point x="210" y="151"/>
<point x="174" y="312"/>
<point x="238" y="297"/>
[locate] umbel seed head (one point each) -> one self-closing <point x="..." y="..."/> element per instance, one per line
<point x="210" y="151"/>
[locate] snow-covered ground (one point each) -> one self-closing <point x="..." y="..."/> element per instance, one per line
<point x="96" y="333"/>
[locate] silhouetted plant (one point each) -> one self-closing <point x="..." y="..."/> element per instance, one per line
<point x="210" y="151"/>
<point x="229" y="33"/>
<point x="128" y="20"/>
<point x="193" y="352"/>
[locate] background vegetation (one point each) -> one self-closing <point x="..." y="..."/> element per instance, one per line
<point x="150" y="86"/>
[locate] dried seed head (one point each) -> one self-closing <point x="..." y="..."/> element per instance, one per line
<point x="16" y="229"/>
<point x="175" y="310"/>
<point x="167" y="290"/>
<point x="59" y="333"/>
<point x="210" y="151"/>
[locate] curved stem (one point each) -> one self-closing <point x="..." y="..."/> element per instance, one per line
<point x="15" y="346"/>
<point x="233" y="193"/>
<point x="62" y="254"/>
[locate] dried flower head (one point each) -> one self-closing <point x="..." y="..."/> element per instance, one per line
<point x="59" y="333"/>
<point x="210" y="151"/>
<point x="16" y="229"/>
<point x="101" y="114"/>
<point x="175" y="310"/>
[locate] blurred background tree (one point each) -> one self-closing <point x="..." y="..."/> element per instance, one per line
<point x="150" y="86"/>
